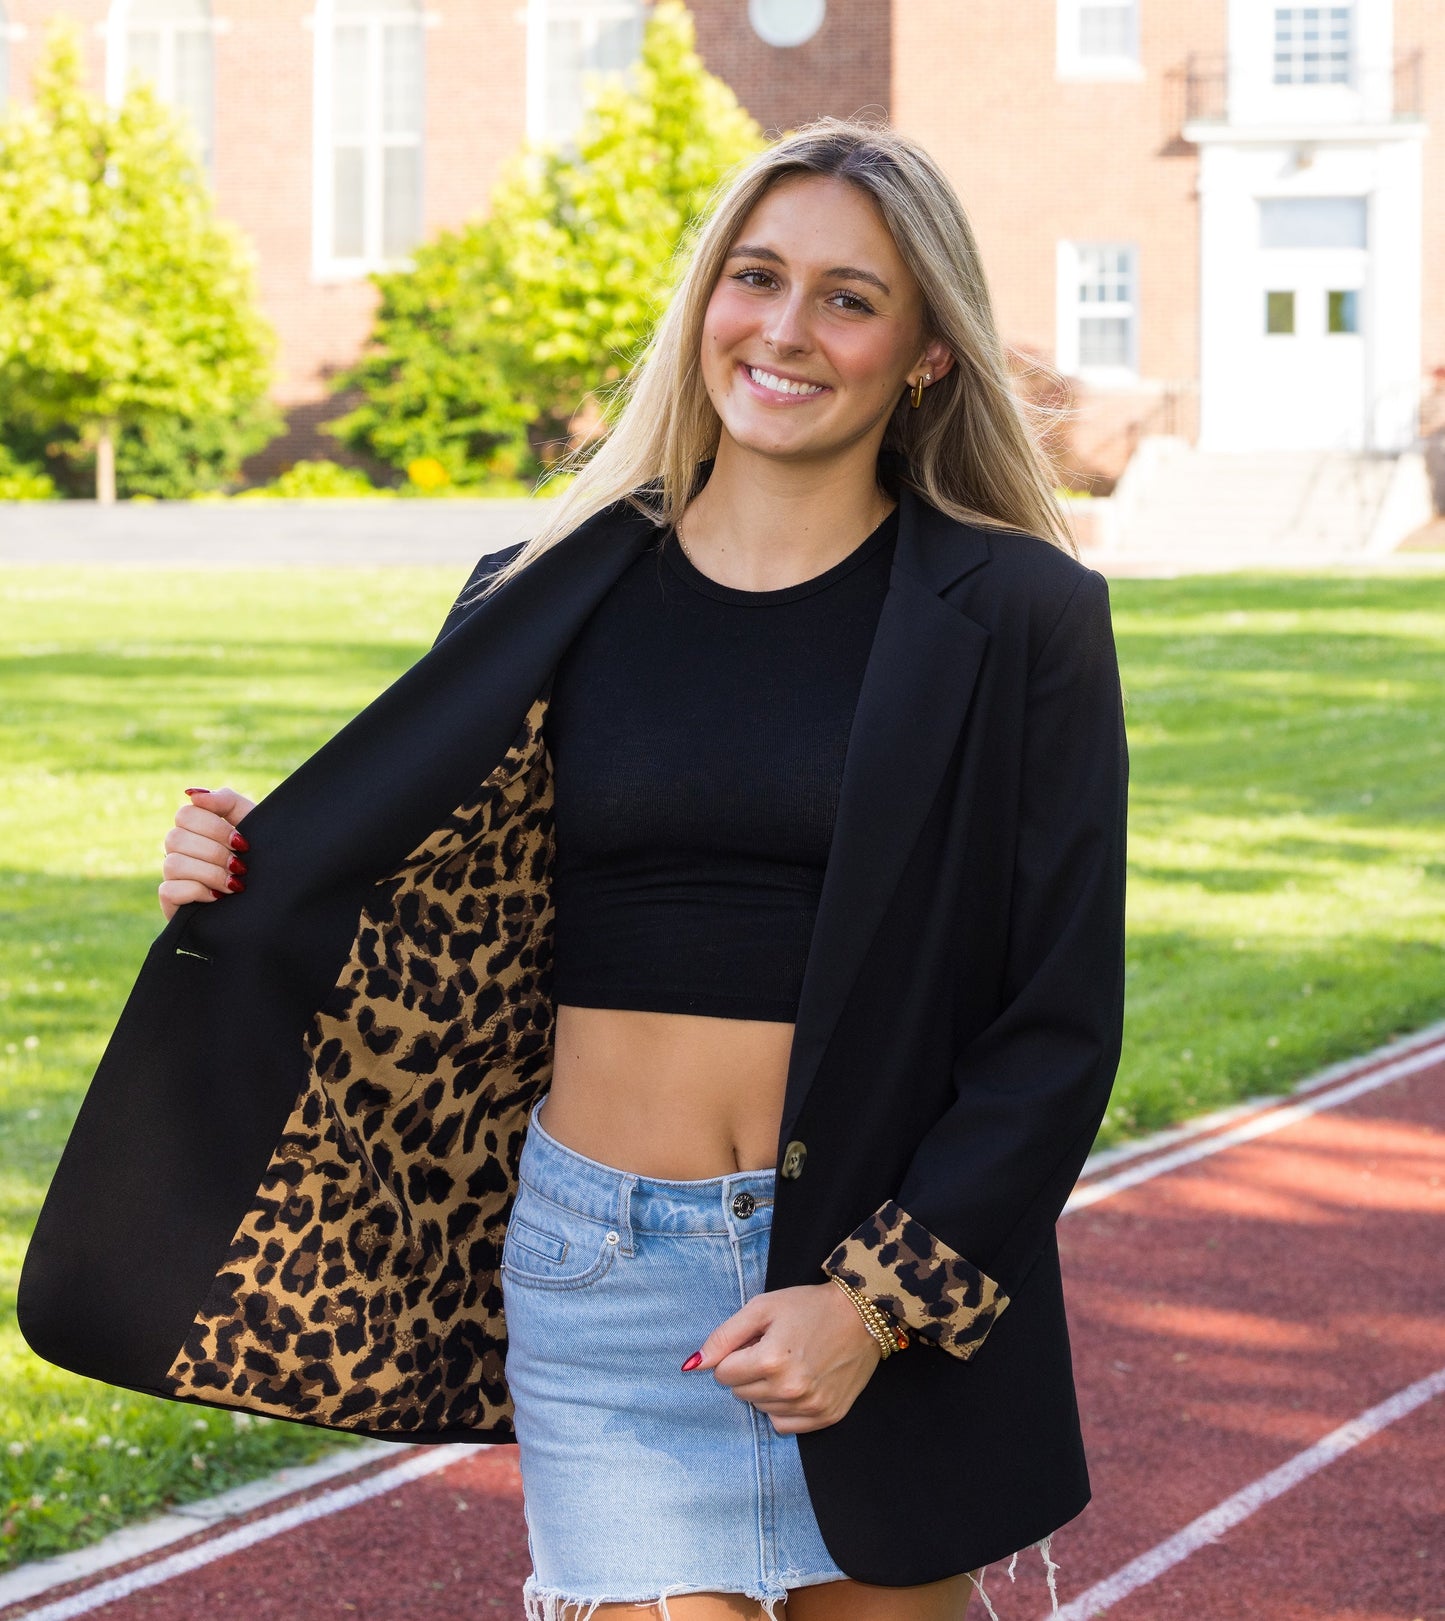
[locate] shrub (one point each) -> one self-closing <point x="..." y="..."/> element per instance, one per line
<point x="22" y="480"/>
<point x="315" y="480"/>
<point x="500" y="343"/>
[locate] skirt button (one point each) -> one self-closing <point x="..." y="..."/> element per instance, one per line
<point x="744" y="1204"/>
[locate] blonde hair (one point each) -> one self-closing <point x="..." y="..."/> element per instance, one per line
<point x="974" y="449"/>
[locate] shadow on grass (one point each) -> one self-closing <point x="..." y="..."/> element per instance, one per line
<point x="134" y="715"/>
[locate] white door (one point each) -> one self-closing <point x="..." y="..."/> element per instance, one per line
<point x="1305" y="359"/>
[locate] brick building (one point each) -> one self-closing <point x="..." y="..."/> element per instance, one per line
<point x="1212" y="213"/>
<point x="1226" y="216"/>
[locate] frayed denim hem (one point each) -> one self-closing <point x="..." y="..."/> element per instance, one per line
<point x="1050" y="1575"/>
<point x="548" y="1604"/>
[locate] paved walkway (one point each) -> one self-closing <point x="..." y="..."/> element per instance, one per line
<point x="1259" y="1332"/>
<point x="454" y="533"/>
<point x="260" y="534"/>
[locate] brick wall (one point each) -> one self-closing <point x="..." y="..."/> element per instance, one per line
<point x="1035" y="160"/>
<point x="844" y="70"/>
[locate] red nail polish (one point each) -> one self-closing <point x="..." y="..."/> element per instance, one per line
<point x="692" y="1362"/>
<point x="234" y="884"/>
<point x="238" y="842"/>
<point x="235" y="864"/>
<point x="197" y="790"/>
<point x="216" y="892"/>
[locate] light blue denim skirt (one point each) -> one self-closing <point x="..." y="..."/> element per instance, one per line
<point x="641" y="1481"/>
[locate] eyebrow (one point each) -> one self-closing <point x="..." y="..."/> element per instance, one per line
<point x="749" y="250"/>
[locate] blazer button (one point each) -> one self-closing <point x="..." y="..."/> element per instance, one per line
<point x="793" y="1156"/>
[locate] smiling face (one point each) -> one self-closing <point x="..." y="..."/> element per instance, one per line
<point x="815" y="326"/>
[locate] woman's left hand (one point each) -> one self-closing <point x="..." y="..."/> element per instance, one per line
<point x="800" y="1355"/>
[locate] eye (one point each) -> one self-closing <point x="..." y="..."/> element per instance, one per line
<point x="848" y="300"/>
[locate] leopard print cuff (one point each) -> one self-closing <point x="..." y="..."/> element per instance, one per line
<point x="917" y="1279"/>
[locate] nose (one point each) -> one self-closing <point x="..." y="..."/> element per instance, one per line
<point x="786" y="328"/>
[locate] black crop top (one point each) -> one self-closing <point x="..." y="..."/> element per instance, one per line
<point x="697" y="734"/>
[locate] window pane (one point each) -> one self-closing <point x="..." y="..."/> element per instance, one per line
<point x="1106" y="30"/>
<point x="1279" y="312"/>
<point x="1104" y="340"/>
<point x="401" y="70"/>
<point x="1312" y="44"/>
<point x="170" y="10"/>
<point x="1344" y="310"/>
<point x="143" y="55"/>
<point x="1104" y="275"/>
<point x="579" y="39"/>
<point x="347" y="239"/>
<point x="193" y="86"/>
<point x="1312" y="222"/>
<point x="616" y="46"/>
<point x="348" y="90"/>
<point x="401" y="200"/>
<point x="786" y="22"/>
<point x="564" y="77"/>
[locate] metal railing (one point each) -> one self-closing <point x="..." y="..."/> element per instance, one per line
<point x="1209" y="76"/>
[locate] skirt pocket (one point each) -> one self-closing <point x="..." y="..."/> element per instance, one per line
<point x="550" y="1247"/>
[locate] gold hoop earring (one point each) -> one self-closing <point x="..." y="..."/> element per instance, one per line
<point x="927" y="377"/>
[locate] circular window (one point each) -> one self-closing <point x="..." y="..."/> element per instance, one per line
<point x="786" y="22"/>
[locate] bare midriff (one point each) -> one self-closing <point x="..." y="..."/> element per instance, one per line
<point x="675" y="1095"/>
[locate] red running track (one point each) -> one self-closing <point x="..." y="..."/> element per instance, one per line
<point x="1229" y="1315"/>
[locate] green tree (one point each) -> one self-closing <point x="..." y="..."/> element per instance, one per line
<point x="484" y="353"/>
<point x="124" y="302"/>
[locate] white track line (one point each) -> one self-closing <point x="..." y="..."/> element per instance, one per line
<point x="181" y="1523"/>
<point x="1105" y="1159"/>
<point x="1265" y="1116"/>
<point x="1209" y="1527"/>
<point x="426" y="1462"/>
<point x="1271" y="1120"/>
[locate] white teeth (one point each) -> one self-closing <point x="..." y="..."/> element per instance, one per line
<point x="780" y="385"/>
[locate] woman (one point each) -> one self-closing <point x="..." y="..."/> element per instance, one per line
<point x="837" y="884"/>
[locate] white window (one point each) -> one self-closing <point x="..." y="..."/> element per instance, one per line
<point x="1312" y="45"/>
<point x="1312" y="222"/>
<point x="1098" y="39"/>
<point x="786" y="23"/>
<point x="171" y="44"/>
<point x="569" y="42"/>
<point x="1098" y="315"/>
<point x="369" y="127"/>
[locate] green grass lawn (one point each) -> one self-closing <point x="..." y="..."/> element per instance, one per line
<point x="1287" y="830"/>
<point x="1287" y="899"/>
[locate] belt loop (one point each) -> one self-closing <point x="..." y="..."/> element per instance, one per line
<point x="624" y="1212"/>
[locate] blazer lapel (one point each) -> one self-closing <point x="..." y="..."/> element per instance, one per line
<point x="422" y="742"/>
<point x="916" y="689"/>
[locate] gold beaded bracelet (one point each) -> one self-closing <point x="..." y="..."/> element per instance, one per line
<point x="889" y="1336"/>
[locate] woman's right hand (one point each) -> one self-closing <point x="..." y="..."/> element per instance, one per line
<point x="205" y="855"/>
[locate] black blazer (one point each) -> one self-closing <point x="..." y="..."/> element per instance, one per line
<point x="288" y="1184"/>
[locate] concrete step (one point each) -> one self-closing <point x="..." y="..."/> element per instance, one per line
<point x="1175" y="499"/>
